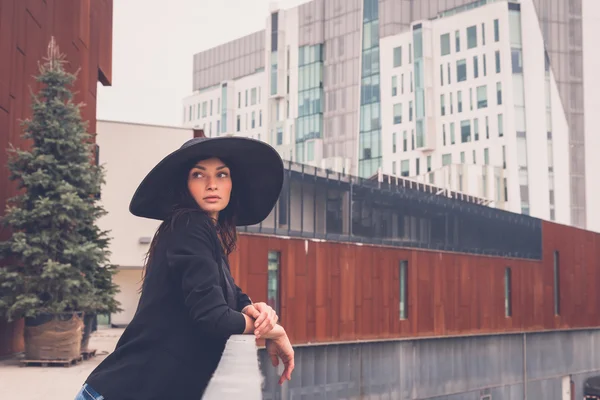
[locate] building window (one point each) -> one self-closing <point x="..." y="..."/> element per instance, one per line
<point x="459" y="100"/>
<point x="394" y="168"/>
<point x="411" y="81"/>
<point x="402" y="84"/>
<point x="428" y="163"/>
<point x="517" y="61"/>
<point x="463" y="159"/>
<point x="507" y="292"/>
<point x="443" y="104"/>
<point x="239" y="123"/>
<point x="190" y="115"/>
<point x="260" y="118"/>
<point x="218" y="127"/>
<point x="504" y="157"/>
<point x="246" y="104"/>
<point x="500" y="125"/>
<point x="476" y="128"/>
<point x="449" y="74"/>
<point x="486" y="156"/>
<point x="211" y="108"/>
<point x="310" y="151"/>
<point x="394" y="142"/>
<point x="410" y="53"/>
<point x="279" y="136"/>
<point x="446" y="159"/>
<point x="394" y="85"/>
<point x="445" y="44"/>
<point x="204" y="109"/>
<point x="410" y="110"/>
<point x="471" y="98"/>
<point x="496" y="30"/>
<point x="404" y="142"/>
<point x="457" y="40"/>
<point x="404" y="167"/>
<point x="499" y="93"/>
<point x="442" y="74"/>
<point x="556" y="283"/>
<point x="253" y="119"/>
<point x="397" y="56"/>
<point x="444" y="134"/>
<point x="482" y="97"/>
<point x="465" y="131"/>
<point x="472" y="37"/>
<point x="403" y="289"/>
<point x="483" y="34"/>
<point x="273" y="267"/>
<point x="239" y="99"/>
<point x="484" y="65"/>
<point x="461" y="70"/>
<point x="487" y="128"/>
<point x="397" y="113"/>
<point x="451" y="104"/>
<point x="498" y="69"/>
<point x="253" y="96"/>
<point x="452" y="138"/>
<point x="417" y="166"/>
<point x="475" y="67"/>
<point x="474" y="156"/>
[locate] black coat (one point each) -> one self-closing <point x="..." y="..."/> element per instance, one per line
<point x="189" y="307"/>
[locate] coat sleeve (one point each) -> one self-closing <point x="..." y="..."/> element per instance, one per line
<point x="243" y="299"/>
<point x="191" y="257"/>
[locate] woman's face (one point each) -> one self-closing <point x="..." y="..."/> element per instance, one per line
<point x="209" y="183"/>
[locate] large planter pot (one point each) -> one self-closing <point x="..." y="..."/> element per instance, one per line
<point x="53" y="336"/>
<point x="88" y="326"/>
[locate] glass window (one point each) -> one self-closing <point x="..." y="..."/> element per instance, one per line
<point x="393" y="167"/>
<point x="218" y="127"/>
<point x="474" y="156"/>
<point x="397" y="56"/>
<point x="449" y="75"/>
<point x="417" y="167"/>
<point x="461" y="70"/>
<point x="517" y="61"/>
<point x="482" y="97"/>
<point x="476" y="128"/>
<point x="487" y="128"/>
<point x="484" y="65"/>
<point x="443" y="105"/>
<point x="463" y="159"/>
<point x="496" y="30"/>
<point x="486" y="156"/>
<point x="465" y="131"/>
<point x="403" y="306"/>
<point x="504" y="157"/>
<point x="404" y="141"/>
<point x="507" y="292"/>
<point x="397" y="113"/>
<point x="459" y="99"/>
<point x="428" y="163"/>
<point x="445" y="44"/>
<point x="204" y="109"/>
<point x="310" y="151"/>
<point x="279" y="136"/>
<point x="475" y="67"/>
<point x="260" y="118"/>
<point x="483" y="34"/>
<point x="471" y="98"/>
<point x="246" y="98"/>
<point x="211" y="108"/>
<point x="444" y="134"/>
<point x="394" y="85"/>
<point x="239" y="99"/>
<point x="442" y="74"/>
<point x="394" y="143"/>
<point x="239" y="123"/>
<point x="452" y="137"/>
<point x="472" y="37"/>
<point x="410" y="110"/>
<point x="404" y="168"/>
<point x="500" y="125"/>
<point x="273" y="279"/>
<point x="498" y="69"/>
<point x="457" y="40"/>
<point x="253" y="119"/>
<point x="410" y="53"/>
<point x="499" y="93"/>
<point x="446" y="159"/>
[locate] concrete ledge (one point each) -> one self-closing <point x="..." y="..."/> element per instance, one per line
<point x="238" y="375"/>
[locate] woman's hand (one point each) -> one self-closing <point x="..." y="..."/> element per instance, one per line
<point x="281" y="347"/>
<point x="265" y="318"/>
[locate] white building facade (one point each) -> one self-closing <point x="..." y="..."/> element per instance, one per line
<point x="484" y="98"/>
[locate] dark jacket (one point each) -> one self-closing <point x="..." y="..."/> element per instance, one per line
<point x="189" y="307"/>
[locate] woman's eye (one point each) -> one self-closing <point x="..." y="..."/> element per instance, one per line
<point x="196" y="175"/>
<point x="223" y="175"/>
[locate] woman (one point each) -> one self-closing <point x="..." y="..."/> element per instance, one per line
<point x="190" y="304"/>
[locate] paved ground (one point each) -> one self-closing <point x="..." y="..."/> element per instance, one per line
<point x="53" y="383"/>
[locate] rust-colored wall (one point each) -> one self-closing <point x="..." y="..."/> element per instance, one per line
<point x="340" y="292"/>
<point x="83" y="31"/>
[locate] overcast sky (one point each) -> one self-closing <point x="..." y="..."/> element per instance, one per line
<point x="153" y="46"/>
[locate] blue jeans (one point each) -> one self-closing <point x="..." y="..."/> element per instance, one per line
<point x="88" y="393"/>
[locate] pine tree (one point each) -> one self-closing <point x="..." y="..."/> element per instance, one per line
<point x="57" y="258"/>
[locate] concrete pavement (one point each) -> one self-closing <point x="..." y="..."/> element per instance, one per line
<point x="54" y="382"/>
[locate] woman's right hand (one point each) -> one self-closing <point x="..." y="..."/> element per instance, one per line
<point x="280" y="347"/>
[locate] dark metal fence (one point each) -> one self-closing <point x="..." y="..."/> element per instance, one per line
<point x="315" y="203"/>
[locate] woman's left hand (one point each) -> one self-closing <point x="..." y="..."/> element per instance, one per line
<point x="266" y="318"/>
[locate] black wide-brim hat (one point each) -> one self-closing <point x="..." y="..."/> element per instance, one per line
<point x="256" y="169"/>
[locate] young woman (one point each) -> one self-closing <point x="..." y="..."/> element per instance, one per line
<point x="190" y="304"/>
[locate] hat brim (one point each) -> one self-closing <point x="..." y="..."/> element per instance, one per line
<point x="257" y="168"/>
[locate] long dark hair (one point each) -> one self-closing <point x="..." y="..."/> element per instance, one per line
<point x="225" y="224"/>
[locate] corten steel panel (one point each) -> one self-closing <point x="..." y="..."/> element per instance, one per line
<point x="345" y="292"/>
<point x="83" y="31"/>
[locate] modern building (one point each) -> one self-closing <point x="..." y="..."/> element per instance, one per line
<point x="480" y="87"/>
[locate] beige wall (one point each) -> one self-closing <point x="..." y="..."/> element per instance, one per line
<point x="129" y="281"/>
<point x="128" y="152"/>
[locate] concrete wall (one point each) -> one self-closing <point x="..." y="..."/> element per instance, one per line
<point x="465" y="368"/>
